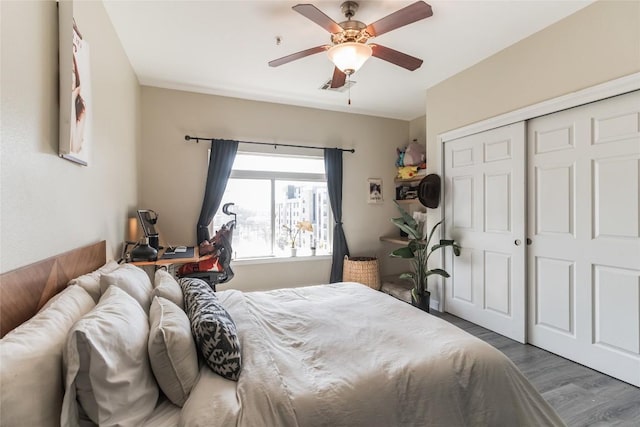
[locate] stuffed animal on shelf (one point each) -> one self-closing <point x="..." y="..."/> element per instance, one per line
<point x="414" y="155"/>
<point x="411" y="155"/>
<point x="400" y="158"/>
<point x="406" y="172"/>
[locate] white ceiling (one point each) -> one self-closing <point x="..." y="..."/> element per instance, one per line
<point x="222" y="47"/>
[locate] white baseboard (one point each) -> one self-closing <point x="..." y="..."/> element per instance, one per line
<point x="434" y="304"/>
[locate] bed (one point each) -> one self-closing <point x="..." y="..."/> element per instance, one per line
<point x="330" y="355"/>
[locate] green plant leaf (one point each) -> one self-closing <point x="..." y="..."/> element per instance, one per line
<point x="412" y="232"/>
<point x="406" y="217"/>
<point x="438" y="271"/>
<point x="414" y="294"/>
<point x="404" y="252"/>
<point x="436" y="247"/>
<point x="433" y="230"/>
<point x="410" y="276"/>
<point x="456" y="250"/>
<point x="416" y="245"/>
<point x="443" y="244"/>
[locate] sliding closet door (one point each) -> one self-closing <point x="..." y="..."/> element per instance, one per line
<point x="485" y="212"/>
<point x="584" y="260"/>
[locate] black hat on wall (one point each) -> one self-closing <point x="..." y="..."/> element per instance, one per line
<point x="429" y="191"/>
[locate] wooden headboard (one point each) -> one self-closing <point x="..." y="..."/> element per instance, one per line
<point x="25" y="290"/>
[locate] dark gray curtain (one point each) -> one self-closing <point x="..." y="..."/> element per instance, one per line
<point x="333" y="168"/>
<point x="223" y="153"/>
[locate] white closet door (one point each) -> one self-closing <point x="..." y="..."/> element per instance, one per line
<point x="584" y="260"/>
<point x="485" y="212"/>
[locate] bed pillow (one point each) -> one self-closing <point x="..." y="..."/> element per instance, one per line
<point x="172" y="351"/>
<point x="215" y="332"/>
<point x="91" y="281"/>
<point x="167" y="287"/>
<point x="31" y="360"/>
<point x="131" y="279"/>
<point x="108" y="376"/>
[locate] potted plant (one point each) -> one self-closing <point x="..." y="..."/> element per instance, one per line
<point x="293" y="233"/>
<point x="418" y="250"/>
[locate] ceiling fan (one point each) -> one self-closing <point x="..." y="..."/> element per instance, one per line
<point x="349" y="49"/>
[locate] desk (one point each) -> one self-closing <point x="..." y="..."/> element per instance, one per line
<point x="166" y="262"/>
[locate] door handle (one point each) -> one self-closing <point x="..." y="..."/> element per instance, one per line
<point x="518" y="242"/>
<point x="529" y="241"/>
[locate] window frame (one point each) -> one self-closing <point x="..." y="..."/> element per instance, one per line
<point x="272" y="177"/>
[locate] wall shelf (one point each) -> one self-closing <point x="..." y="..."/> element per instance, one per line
<point x="407" y="190"/>
<point x="417" y="178"/>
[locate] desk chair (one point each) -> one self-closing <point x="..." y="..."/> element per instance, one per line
<point x="217" y="268"/>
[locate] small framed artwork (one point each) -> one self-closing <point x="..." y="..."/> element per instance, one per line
<point x="375" y="190"/>
<point x="75" y="87"/>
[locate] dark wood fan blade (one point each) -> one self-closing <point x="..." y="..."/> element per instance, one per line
<point x="297" y="55"/>
<point x="412" y="13"/>
<point x="338" y="78"/>
<point x="311" y="12"/>
<point x="400" y="59"/>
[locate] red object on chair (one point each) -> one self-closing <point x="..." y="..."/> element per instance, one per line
<point x="211" y="264"/>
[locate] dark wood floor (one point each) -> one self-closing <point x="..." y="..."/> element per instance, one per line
<point x="581" y="396"/>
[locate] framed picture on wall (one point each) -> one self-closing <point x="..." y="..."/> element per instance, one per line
<point x="75" y="87"/>
<point x="375" y="190"/>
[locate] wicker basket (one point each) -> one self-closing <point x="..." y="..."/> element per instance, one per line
<point x="362" y="270"/>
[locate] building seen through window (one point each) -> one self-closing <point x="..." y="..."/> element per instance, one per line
<point x="272" y="194"/>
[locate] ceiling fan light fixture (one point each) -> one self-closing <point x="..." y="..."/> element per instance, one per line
<point x="349" y="56"/>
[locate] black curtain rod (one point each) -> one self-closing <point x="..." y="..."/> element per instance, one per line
<point x="274" y="145"/>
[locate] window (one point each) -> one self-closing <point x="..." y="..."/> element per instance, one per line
<point x="271" y="192"/>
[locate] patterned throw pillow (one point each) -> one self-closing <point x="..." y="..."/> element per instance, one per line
<point x="214" y="330"/>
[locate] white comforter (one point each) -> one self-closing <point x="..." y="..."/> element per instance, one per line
<point x="346" y="355"/>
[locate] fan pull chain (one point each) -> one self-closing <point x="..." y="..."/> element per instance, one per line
<point x="349" y="88"/>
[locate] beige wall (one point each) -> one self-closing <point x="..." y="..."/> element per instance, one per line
<point x="418" y="130"/>
<point x="173" y="172"/>
<point x="48" y="204"/>
<point x="598" y="43"/>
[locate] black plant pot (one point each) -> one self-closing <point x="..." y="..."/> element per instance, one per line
<point x="423" y="304"/>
